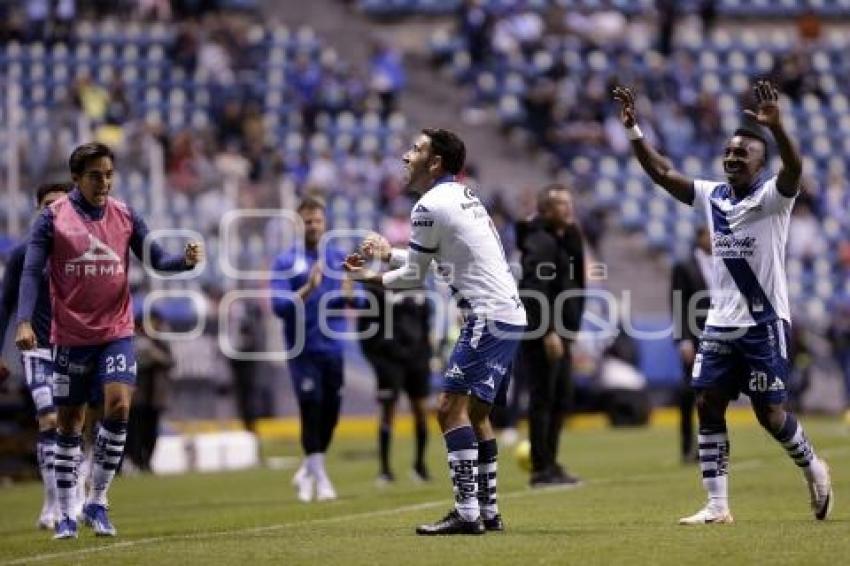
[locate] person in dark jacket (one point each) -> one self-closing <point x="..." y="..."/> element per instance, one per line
<point x="552" y="250"/>
<point x="150" y="397"/>
<point x="690" y="302"/>
<point x="400" y="353"/>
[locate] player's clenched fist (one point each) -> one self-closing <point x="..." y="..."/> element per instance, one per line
<point x="25" y="337"/>
<point x="375" y="246"/>
<point x="194" y="253"/>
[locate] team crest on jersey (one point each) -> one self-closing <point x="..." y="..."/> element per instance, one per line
<point x="98" y="259"/>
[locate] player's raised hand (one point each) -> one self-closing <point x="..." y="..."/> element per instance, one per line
<point x="626" y="97"/>
<point x="194" y="253"/>
<point x="767" y="101"/>
<point x="25" y="337"/>
<point x="374" y="245"/>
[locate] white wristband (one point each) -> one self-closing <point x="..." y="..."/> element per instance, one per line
<point x="634" y="133"/>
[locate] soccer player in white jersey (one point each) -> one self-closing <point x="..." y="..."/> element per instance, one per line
<point x="451" y="227"/>
<point x="745" y="346"/>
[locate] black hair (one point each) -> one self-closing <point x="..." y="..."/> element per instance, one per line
<point x="749" y="128"/>
<point x="85" y="153"/>
<point x="311" y="202"/>
<point x="47" y="188"/>
<point x="449" y="147"/>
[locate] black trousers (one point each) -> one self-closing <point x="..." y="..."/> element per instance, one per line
<point x="142" y="432"/>
<point x="687" y="406"/>
<point x="549" y="394"/>
<point x="245" y="385"/>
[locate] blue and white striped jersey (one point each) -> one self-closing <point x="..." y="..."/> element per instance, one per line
<point x="749" y="236"/>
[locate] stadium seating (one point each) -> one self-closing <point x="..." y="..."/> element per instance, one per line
<point x="725" y="64"/>
<point x="161" y="92"/>
<point x="730" y="8"/>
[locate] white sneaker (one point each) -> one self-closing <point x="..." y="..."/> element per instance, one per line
<point x="48" y="518"/>
<point x="820" y="490"/>
<point x="325" y="490"/>
<point x="708" y="516"/>
<point x="300" y="474"/>
<point x="305" y="488"/>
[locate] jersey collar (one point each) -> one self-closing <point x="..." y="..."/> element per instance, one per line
<point x="447" y="178"/>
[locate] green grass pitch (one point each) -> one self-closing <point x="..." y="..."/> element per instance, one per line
<point x="624" y="514"/>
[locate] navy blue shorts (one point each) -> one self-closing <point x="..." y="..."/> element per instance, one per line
<point x="80" y="372"/>
<point x="38" y="370"/>
<point x="316" y="376"/>
<point x="755" y="363"/>
<point x="481" y="362"/>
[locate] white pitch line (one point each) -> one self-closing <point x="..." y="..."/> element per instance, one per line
<point x="269" y="528"/>
<point x="743" y="464"/>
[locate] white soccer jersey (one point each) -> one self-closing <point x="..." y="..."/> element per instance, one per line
<point x="451" y="226"/>
<point x="749" y="285"/>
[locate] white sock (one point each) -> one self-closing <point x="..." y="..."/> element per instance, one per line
<point x="46" y="453"/>
<point x="108" y="449"/>
<point x="714" y="465"/>
<point x="65" y="466"/>
<point x="316" y="466"/>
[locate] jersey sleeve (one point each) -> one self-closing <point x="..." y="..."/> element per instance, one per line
<point x="775" y="201"/>
<point x="425" y="228"/>
<point x="160" y="260"/>
<point x="424" y="244"/>
<point x="702" y="192"/>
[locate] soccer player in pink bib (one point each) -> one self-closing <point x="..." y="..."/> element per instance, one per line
<point x="87" y="237"/>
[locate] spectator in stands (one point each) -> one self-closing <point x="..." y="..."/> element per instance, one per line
<point x="184" y="50"/>
<point x="150" y="398"/>
<point x="668" y="13"/>
<point x="708" y="16"/>
<point x="38" y="19"/>
<point x="520" y="30"/>
<point x="90" y="97"/>
<point x="306" y="78"/>
<point x="552" y="251"/>
<point x="386" y="75"/>
<point x="475" y="24"/>
<point x="795" y="77"/>
<point x="809" y="27"/>
<point x="690" y="301"/>
<point x="215" y="61"/>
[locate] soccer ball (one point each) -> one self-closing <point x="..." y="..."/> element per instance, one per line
<point x="523" y="455"/>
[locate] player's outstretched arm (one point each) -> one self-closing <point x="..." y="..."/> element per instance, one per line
<point x="769" y="115"/>
<point x="658" y="167"/>
<point x="159" y="259"/>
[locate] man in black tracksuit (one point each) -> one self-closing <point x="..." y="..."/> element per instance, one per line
<point x="552" y="263"/>
<point x="690" y="303"/>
